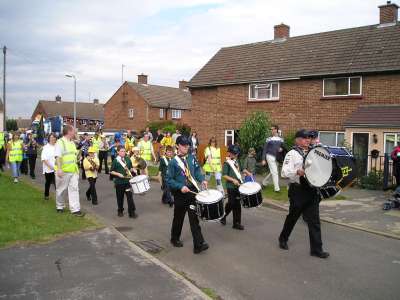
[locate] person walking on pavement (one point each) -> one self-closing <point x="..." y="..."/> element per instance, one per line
<point x="31" y="153"/>
<point x="49" y="160"/>
<point x="24" y="164"/>
<point x="96" y="140"/>
<point x="183" y="175"/>
<point x="212" y="165"/>
<point x="2" y="150"/>
<point x="83" y="146"/>
<point x="103" y="154"/>
<point x="14" y="155"/>
<point x="395" y="155"/>
<point x="272" y="147"/>
<point x="164" y="162"/>
<point x="147" y="150"/>
<point x="91" y="165"/>
<point x="67" y="172"/>
<point x="304" y="199"/>
<point x="148" y="132"/>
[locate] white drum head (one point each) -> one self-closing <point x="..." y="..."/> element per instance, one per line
<point x="209" y="196"/>
<point x="318" y="166"/>
<point x="249" y="188"/>
<point x="138" y="178"/>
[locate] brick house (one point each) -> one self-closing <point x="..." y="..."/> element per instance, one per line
<point x="134" y="105"/>
<point x="89" y="115"/>
<point x="310" y="81"/>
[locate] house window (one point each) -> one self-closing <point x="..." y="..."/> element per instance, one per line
<point x="161" y="113"/>
<point x="130" y="113"/>
<point x="344" y="86"/>
<point x="176" y="114"/>
<point x="231" y="136"/>
<point x="391" y="140"/>
<point x="264" y="91"/>
<point x="332" y="138"/>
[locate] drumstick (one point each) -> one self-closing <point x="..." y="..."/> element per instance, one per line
<point x="193" y="192"/>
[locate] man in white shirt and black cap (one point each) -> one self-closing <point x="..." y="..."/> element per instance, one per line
<point x="304" y="199"/>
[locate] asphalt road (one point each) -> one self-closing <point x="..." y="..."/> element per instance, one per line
<point x="249" y="265"/>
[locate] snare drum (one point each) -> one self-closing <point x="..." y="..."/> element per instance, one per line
<point x="250" y="194"/>
<point x="210" y="205"/>
<point x="140" y="184"/>
<point x="330" y="166"/>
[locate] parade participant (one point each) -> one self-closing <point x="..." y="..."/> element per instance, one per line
<point x="194" y="143"/>
<point x="138" y="163"/>
<point x="175" y="136"/>
<point x="232" y="175"/>
<point x="395" y="155"/>
<point x="2" y="150"/>
<point x="303" y="198"/>
<point x="103" y="154"/>
<point x="24" y="163"/>
<point x="314" y="140"/>
<point x="91" y="165"/>
<point x="83" y="146"/>
<point x="31" y="153"/>
<point x="167" y="140"/>
<point x="122" y="171"/>
<point x="159" y="136"/>
<point x="182" y="176"/>
<point x="249" y="165"/>
<point x="212" y="165"/>
<point x="67" y="172"/>
<point x="164" y="162"/>
<point x="49" y="160"/>
<point x="96" y="140"/>
<point x="129" y="142"/>
<point x="14" y="155"/>
<point x="148" y="132"/>
<point x="146" y="149"/>
<point x="272" y="147"/>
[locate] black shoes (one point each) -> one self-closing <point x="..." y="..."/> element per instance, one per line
<point x="133" y="215"/>
<point x="46" y="198"/>
<point x="223" y="221"/>
<point x="120" y="214"/>
<point x="88" y="198"/>
<point x="95" y="203"/>
<point x="283" y="245"/>
<point x="238" y="227"/>
<point x="60" y="211"/>
<point x="171" y="204"/>
<point x="177" y="243"/>
<point x="320" y="254"/>
<point x="202" y="248"/>
<point x="78" y="214"/>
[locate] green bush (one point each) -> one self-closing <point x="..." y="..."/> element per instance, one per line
<point x="183" y="128"/>
<point x="154" y="126"/>
<point x="289" y="140"/>
<point x="372" y="181"/>
<point x="11" y="125"/>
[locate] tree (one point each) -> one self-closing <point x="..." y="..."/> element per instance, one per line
<point x="11" y="125"/>
<point x="254" y="131"/>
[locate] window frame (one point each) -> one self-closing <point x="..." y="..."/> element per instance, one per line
<point x="176" y="114"/>
<point x="231" y="134"/>
<point x="131" y="113"/>
<point x="336" y="136"/>
<point x="250" y="99"/>
<point x="162" y="113"/>
<point x="396" y="139"/>
<point x="348" y="86"/>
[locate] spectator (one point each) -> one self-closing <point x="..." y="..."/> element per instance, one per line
<point x="148" y="132"/>
<point x="249" y="165"/>
<point x="14" y="155"/>
<point x="175" y="136"/>
<point x="194" y="143"/>
<point x="146" y="149"/>
<point x="31" y="153"/>
<point x="164" y="162"/>
<point x="273" y="145"/>
<point x="212" y="166"/>
<point x="83" y="146"/>
<point x="24" y="163"/>
<point x="395" y="155"/>
<point x="159" y="136"/>
<point x="103" y="154"/>
<point x="167" y="140"/>
<point x="48" y="159"/>
<point x="2" y="150"/>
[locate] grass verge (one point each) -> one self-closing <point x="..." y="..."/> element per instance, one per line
<point x="26" y="217"/>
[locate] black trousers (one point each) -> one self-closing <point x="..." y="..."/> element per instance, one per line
<point x="24" y="166"/>
<point x="2" y="157"/>
<point x="91" y="192"/>
<point x="32" y="164"/>
<point x="103" y="156"/>
<point x="166" y="196"/>
<point x="182" y="205"/>
<point x="121" y="190"/>
<point x="50" y="179"/>
<point x="233" y="205"/>
<point x="304" y="201"/>
<point x="83" y="170"/>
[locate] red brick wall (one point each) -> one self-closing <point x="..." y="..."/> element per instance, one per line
<point x="116" y="111"/>
<point x="300" y="106"/>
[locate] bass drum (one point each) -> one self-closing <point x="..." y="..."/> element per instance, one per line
<point x="329" y="192"/>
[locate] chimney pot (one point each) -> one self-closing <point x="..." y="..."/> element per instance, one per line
<point x="142" y="79"/>
<point x="281" y="31"/>
<point x="58" y="98"/>
<point x="183" y="84"/>
<point x="388" y="13"/>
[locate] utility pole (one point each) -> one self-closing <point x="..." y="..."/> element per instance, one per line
<point x="122" y="73"/>
<point x="4" y="88"/>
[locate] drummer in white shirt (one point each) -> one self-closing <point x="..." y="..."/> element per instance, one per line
<point x="48" y="159"/>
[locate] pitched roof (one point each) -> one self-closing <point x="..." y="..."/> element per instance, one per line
<point x="84" y="110"/>
<point x="373" y="48"/>
<point x="24" y="123"/>
<point x="163" y="96"/>
<point x="384" y="116"/>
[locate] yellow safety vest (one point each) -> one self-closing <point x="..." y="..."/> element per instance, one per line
<point x="215" y="164"/>
<point x="68" y="156"/>
<point x="145" y="150"/>
<point x="16" y="151"/>
<point x="96" y="143"/>
<point x="1" y="140"/>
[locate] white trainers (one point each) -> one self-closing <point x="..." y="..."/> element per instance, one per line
<point x="15" y="180"/>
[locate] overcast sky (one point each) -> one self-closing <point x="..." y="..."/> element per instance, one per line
<point x="169" y="40"/>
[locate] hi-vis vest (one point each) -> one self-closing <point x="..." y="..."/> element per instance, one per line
<point x="215" y="165"/>
<point x="1" y="140"/>
<point x="96" y="143"/>
<point x="68" y="156"/>
<point x="145" y="150"/>
<point x="16" y="151"/>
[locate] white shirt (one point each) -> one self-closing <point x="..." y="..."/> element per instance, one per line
<point x="48" y="154"/>
<point x="293" y="162"/>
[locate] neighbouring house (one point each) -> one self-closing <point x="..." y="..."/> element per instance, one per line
<point x="134" y="105"/>
<point x="89" y="115"/>
<point x="320" y="81"/>
<point x="24" y="124"/>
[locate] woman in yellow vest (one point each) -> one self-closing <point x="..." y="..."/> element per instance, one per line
<point x="146" y="149"/>
<point x="212" y="165"/>
<point x="14" y="155"/>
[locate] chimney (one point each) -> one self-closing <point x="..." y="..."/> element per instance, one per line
<point x="58" y="98"/>
<point x="142" y="79"/>
<point x="95" y="101"/>
<point x="388" y="13"/>
<point x="281" y="31"/>
<point x="183" y="84"/>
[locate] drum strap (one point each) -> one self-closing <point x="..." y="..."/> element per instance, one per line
<point x="123" y="164"/>
<point x="187" y="172"/>
<point x="166" y="161"/>
<point x="231" y="163"/>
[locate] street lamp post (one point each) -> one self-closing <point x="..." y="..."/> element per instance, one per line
<point x="74" y="77"/>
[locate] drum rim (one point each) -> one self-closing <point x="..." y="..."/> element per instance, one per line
<point x="139" y="180"/>
<point x="305" y="159"/>
<point x="259" y="185"/>
<point x="216" y="201"/>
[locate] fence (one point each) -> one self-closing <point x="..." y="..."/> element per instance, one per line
<point x="381" y="165"/>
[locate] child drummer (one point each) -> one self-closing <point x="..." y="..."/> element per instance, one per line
<point x="166" y="157"/>
<point x="122" y="171"/>
<point x="232" y="174"/>
<point x="91" y="165"/>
